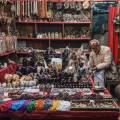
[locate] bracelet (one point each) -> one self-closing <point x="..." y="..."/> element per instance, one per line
<point x="23" y="107"/>
<point x="31" y="106"/>
<point x="55" y="105"/>
<point x="48" y="104"/>
<point x="39" y="105"/>
<point x="64" y="105"/>
<point x="17" y="104"/>
<point x="5" y="106"/>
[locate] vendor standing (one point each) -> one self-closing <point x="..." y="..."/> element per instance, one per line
<point x="100" y="59"/>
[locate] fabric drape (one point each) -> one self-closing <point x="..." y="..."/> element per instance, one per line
<point x="112" y="35"/>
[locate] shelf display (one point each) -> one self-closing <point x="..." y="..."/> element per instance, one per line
<point x="52" y="11"/>
<point x="41" y="85"/>
<point x="77" y="32"/>
<point x="27" y="87"/>
<point x="44" y="78"/>
<point x="50" y="35"/>
<point x="8" y="43"/>
<point x="46" y="24"/>
<point x="24" y="50"/>
<point x="65" y="14"/>
<point x="7" y="23"/>
<point x="78" y="99"/>
<point x="49" y="32"/>
<point x="31" y="105"/>
<point x="92" y="104"/>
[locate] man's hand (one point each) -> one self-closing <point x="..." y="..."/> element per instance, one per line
<point x="94" y="68"/>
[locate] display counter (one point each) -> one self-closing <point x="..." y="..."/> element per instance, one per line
<point x="63" y="115"/>
<point x="83" y="109"/>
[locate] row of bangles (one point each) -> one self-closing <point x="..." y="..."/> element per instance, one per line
<point x="35" y="105"/>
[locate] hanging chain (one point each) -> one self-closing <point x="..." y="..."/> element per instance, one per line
<point x="3" y="2"/>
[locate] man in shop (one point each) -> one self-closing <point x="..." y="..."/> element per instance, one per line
<point x="100" y="61"/>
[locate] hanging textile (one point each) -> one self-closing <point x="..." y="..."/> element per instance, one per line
<point x="100" y="16"/>
<point x="112" y="35"/>
<point x="43" y="9"/>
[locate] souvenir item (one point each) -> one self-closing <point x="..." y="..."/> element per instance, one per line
<point x="56" y="35"/>
<point x="49" y="14"/>
<point x="7" y="43"/>
<point x="43" y="9"/>
<point x="66" y="5"/>
<point x="78" y="6"/>
<point x="72" y="5"/>
<point x="59" y="5"/>
<point x="8" y="78"/>
<point x="60" y="35"/>
<point x="15" y="77"/>
<point x="4" y="85"/>
<point x="94" y="105"/>
<point x="52" y="35"/>
<point x="86" y="4"/>
<point x="64" y="105"/>
<point x="58" y="16"/>
<point x="50" y="5"/>
<point x="22" y="83"/>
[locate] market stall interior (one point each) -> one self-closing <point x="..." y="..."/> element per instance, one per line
<point x="45" y="70"/>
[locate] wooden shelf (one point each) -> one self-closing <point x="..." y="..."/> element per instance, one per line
<point x="105" y="1"/>
<point x="54" y="0"/>
<point x="38" y="26"/>
<point x="10" y="1"/>
<point x="81" y="0"/>
<point x="39" y="22"/>
<point x="82" y="38"/>
<point x="6" y="53"/>
<point x="23" y="53"/>
<point x="68" y="0"/>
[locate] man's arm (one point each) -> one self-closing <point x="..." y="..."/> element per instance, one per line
<point x="91" y="60"/>
<point x="107" y="60"/>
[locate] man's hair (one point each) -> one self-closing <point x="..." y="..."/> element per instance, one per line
<point x="94" y="41"/>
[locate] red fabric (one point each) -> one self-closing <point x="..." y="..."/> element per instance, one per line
<point x="71" y="115"/>
<point x="116" y="50"/>
<point x="2" y="73"/>
<point x="112" y="35"/>
<point x="10" y="69"/>
<point x="5" y="106"/>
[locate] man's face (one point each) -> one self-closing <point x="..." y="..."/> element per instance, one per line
<point x="95" y="47"/>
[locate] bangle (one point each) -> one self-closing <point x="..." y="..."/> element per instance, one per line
<point x="31" y="106"/>
<point x="23" y="107"/>
<point x="17" y="105"/>
<point x="64" y="105"/>
<point x="39" y="105"/>
<point x="55" y="105"/>
<point x="48" y="104"/>
<point x="5" y="105"/>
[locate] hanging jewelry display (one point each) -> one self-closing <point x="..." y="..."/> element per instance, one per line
<point x="3" y="2"/>
<point x="55" y="11"/>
